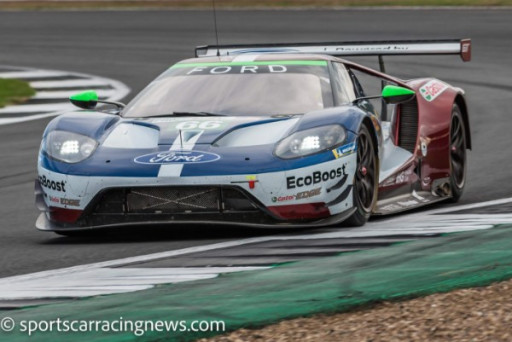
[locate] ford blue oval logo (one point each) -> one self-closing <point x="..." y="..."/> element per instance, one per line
<point x="177" y="157"/>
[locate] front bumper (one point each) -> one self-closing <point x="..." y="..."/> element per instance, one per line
<point x="305" y="197"/>
<point x="44" y="224"/>
<point x="177" y="205"/>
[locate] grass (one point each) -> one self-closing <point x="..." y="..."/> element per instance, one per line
<point x="206" y="4"/>
<point x="14" y="92"/>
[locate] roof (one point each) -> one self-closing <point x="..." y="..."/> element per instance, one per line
<point x="263" y="57"/>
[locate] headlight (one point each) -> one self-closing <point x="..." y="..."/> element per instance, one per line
<point x="310" y="141"/>
<point x="69" y="147"/>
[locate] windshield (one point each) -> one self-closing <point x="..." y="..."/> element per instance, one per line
<point x="251" y="88"/>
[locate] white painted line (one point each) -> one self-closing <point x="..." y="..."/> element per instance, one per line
<point x="67" y="84"/>
<point x="472" y="206"/>
<point x="131" y="260"/>
<point x="33" y="74"/>
<point x="101" y="281"/>
<point x="101" y="278"/>
<point x="8" y="121"/>
<point x="420" y="224"/>
<point x="65" y="94"/>
<point x="37" y="108"/>
<point x="117" y="93"/>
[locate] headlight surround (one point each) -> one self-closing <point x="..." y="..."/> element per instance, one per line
<point x="69" y="147"/>
<point x="310" y="141"/>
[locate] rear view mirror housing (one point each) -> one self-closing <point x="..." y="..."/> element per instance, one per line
<point x="395" y="94"/>
<point x="89" y="100"/>
<point x="85" y="100"/>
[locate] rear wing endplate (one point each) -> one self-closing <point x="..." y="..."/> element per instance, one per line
<point x="460" y="47"/>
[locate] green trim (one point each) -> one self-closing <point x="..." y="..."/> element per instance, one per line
<point x="392" y="91"/>
<point x="85" y="96"/>
<point x="214" y="64"/>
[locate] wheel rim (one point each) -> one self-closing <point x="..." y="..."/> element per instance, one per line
<point x="365" y="174"/>
<point x="457" y="152"/>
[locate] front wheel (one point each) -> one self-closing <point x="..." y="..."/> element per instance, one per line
<point x="365" y="179"/>
<point x="457" y="154"/>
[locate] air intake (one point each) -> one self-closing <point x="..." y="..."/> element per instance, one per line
<point x="408" y="132"/>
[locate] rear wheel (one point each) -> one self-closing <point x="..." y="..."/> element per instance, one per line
<point x="457" y="154"/>
<point x="365" y="179"/>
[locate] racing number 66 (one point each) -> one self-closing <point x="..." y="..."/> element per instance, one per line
<point x="199" y="125"/>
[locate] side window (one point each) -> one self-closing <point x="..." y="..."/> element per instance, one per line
<point x="369" y="85"/>
<point x="343" y="87"/>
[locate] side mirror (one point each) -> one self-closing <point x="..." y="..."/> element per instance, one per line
<point x="89" y="100"/>
<point x="86" y="100"/>
<point x="395" y="95"/>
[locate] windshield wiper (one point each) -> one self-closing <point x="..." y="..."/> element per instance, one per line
<point x="186" y="114"/>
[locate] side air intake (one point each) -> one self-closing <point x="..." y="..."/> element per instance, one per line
<point x="408" y="132"/>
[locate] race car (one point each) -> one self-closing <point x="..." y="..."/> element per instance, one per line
<point x="281" y="135"/>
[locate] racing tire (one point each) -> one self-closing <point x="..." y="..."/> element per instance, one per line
<point x="365" y="184"/>
<point x="458" y="160"/>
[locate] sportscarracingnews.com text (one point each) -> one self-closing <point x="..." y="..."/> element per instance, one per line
<point x="121" y="325"/>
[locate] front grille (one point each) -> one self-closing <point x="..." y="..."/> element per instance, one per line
<point x="173" y="200"/>
<point x="174" y="203"/>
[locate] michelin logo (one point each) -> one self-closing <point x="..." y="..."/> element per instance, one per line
<point x="344" y="150"/>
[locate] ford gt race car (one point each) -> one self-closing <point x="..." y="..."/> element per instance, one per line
<point x="285" y="135"/>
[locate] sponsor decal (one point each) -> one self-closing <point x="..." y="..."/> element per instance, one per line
<point x="308" y="194"/>
<point x="389" y="181"/>
<point x="251" y="180"/>
<point x="65" y="201"/>
<point x="424" y="145"/>
<point x="400" y="178"/>
<point x="70" y="202"/>
<point x="432" y="89"/>
<point x="237" y="69"/>
<point x="423" y="149"/>
<point x="177" y="157"/>
<point x="283" y="198"/>
<point x="299" y="196"/>
<point x="409" y="203"/>
<point x="243" y="61"/>
<point x="48" y="183"/>
<point x="344" y="150"/>
<point x="315" y="178"/>
<point x="369" y="48"/>
<point x="403" y="176"/>
<point x="391" y="207"/>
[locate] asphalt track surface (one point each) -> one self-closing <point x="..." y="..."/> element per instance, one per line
<point x="135" y="46"/>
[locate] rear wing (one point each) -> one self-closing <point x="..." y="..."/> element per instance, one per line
<point x="460" y="47"/>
